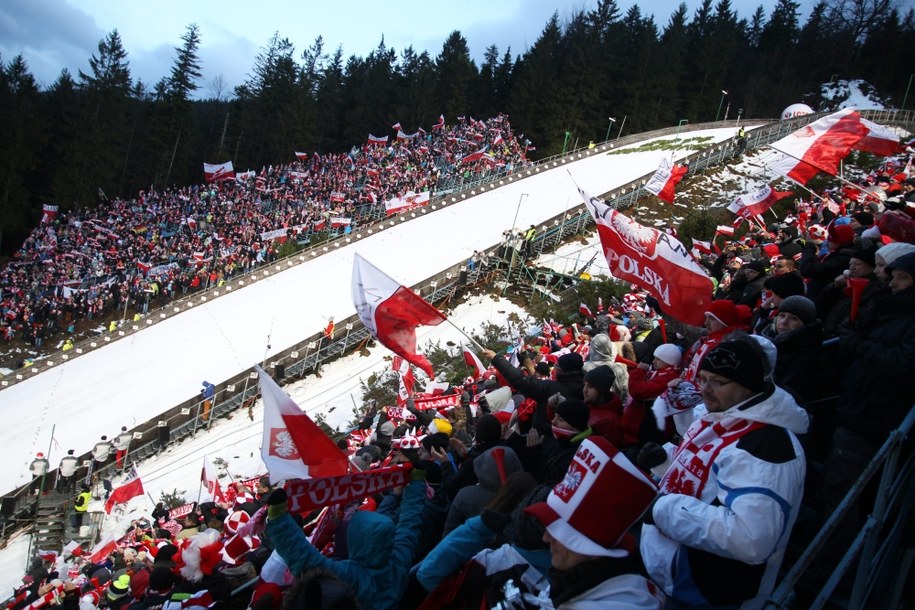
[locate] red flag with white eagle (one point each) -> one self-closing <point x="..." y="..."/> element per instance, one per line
<point x="819" y="146"/>
<point x="211" y="481"/>
<point x="293" y="446"/>
<point x="405" y="378"/>
<point x="471" y="360"/>
<point x="214" y="172"/>
<point x="391" y="312"/>
<point x="664" y="180"/>
<point x="131" y="488"/>
<point x="654" y="260"/>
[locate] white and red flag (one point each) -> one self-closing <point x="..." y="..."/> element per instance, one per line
<point x="473" y="361"/>
<point x="664" y="180"/>
<point x="214" y="172"/>
<point x="584" y="310"/>
<point x="757" y="202"/>
<point x="132" y="488"/>
<point x="102" y="549"/>
<point x="703" y="247"/>
<point x="725" y="230"/>
<point x="474" y="156"/>
<point x="819" y="146"/>
<point x="654" y="260"/>
<point x="301" y="156"/>
<point x="391" y="312"/>
<point x="880" y="140"/>
<point x="211" y="481"/>
<point x="48" y="212"/>
<point x="440" y="124"/>
<point x="378" y="141"/>
<point x="406" y="379"/>
<point x="397" y="126"/>
<point x="293" y="446"/>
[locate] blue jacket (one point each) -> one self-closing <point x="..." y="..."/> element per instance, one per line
<point x="380" y="554"/>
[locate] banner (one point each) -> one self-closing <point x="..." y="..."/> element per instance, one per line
<point x="437" y="402"/>
<point x="185" y="509"/>
<point x="309" y="494"/>
<point x="408" y="201"/>
<point x="213" y="172"/>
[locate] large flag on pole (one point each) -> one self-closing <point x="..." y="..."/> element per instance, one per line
<point x="132" y="488"/>
<point x="654" y="260"/>
<point x="819" y="146"/>
<point x="213" y="172"/>
<point x="757" y="202"/>
<point x="664" y="180"/>
<point x="880" y="140"/>
<point x="211" y="481"/>
<point x="293" y="446"/>
<point x="391" y="312"/>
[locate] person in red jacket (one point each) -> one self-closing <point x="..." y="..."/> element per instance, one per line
<point x="645" y="384"/>
<point x="606" y="407"/>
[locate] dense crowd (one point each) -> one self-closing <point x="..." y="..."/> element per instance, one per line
<point x="624" y="460"/>
<point x="138" y="253"/>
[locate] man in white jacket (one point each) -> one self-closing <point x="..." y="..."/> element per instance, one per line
<point x="730" y="496"/>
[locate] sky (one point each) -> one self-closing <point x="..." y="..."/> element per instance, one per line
<point x="56" y="34"/>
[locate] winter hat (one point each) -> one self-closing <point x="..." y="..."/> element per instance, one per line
<point x="668" y="353"/>
<point x="503" y="416"/>
<point x="601" y="378"/>
<point x="200" y="555"/>
<point x="905" y="263"/>
<point x="235" y="521"/>
<point x="800" y="306"/>
<point x="440" y="426"/>
<point x="386" y="429"/>
<point x="840" y="234"/>
<point x="866" y="255"/>
<point x="891" y="252"/>
<point x="864" y="218"/>
<point x="70" y="452"/>
<point x="575" y="412"/>
<point x="161" y="579"/>
<point x="234" y="550"/>
<point x="489" y="430"/>
<point x="817" y="232"/>
<point x="724" y="311"/>
<point x="599" y="499"/>
<point x="739" y="362"/>
<point x="758" y="266"/>
<point x="570" y="363"/>
<point x="542" y="367"/>
<point x="119" y="588"/>
<point x="618" y="332"/>
<point x="89" y="600"/>
<point x="166" y="552"/>
<point x="435" y="441"/>
<point x="785" y="285"/>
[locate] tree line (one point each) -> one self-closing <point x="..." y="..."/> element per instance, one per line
<point x="104" y="134"/>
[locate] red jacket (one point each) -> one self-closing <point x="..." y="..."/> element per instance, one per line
<point x="605" y="420"/>
<point x="644" y="387"/>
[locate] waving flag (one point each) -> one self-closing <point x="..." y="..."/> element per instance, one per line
<point x="664" y="180"/>
<point x="440" y="124"/>
<point x="293" y="446"/>
<point x="757" y="202"/>
<point x="392" y="312"/>
<point x="819" y="146"/>
<point x="301" y="156"/>
<point x="48" y="212"/>
<point x="214" y="172"/>
<point x="471" y="360"/>
<point x="725" y="230"/>
<point x="703" y="247"/>
<point x="880" y="140"/>
<point x="584" y="310"/>
<point x="475" y="156"/>
<point x="653" y="260"/>
<point x="132" y="488"/>
<point x="377" y="141"/>
<point x="102" y="549"/>
<point x="211" y="481"/>
<point x="397" y="127"/>
<point x="405" y="378"/>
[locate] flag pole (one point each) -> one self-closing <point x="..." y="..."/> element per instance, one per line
<point x="841" y="179"/>
<point x="461" y="330"/>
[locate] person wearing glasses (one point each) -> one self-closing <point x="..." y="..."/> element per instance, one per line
<point x="731" y="491"/>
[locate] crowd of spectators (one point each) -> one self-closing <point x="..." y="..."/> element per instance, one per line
<point x="132" y="255"/>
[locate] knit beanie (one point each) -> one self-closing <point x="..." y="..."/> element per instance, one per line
<point x="800" y="306"/>
<point x="864" y="218"/>
<point x="575" y="412"/>
<point x="570" y="363"/>
<point x="891" y="252"/>
<point x="840" y="234"/>
<point x="785" y="285"/>
<point x="737" y="361"/>
<point x="866" y="255"/>
<point x="905" y="263"/>
<point x="489" y="430"/>
<point x="724" y="311"/>
<point x="601" y="378"/>
<point x="668" y="353"/>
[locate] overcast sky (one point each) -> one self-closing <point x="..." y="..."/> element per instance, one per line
<point x="56" y="34"/>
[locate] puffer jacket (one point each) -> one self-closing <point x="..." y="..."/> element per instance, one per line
<point x="728" y="503"/>
<point x="569" y="384"/>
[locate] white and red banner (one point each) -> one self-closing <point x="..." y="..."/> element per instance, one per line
<point x="378" y="141"/>
<point x="408" y="201"/>
<point x="243" y="177"/>
<point x="471" y="360"/>
<point x="293" y="446"/>
<point x="392" y="312"/>
<point x="308" y="495"/>
<point x="49" y="212"/>
<point x="214" y="172"/>
<point x="664" y="180"/>
<point x="819" y="146"/>
<point x="654" y="260"/>
<point x="439" y="401"/>
<point x="880" y="140"/>
<point x="132" y="488"/>
<point x="211" y="481"/>
<point x="757" y="202"/>
<point x="340" y="221"/>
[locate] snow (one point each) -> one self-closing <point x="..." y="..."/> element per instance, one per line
<point x="853" y="94"/>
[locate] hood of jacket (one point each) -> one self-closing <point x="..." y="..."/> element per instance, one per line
<point x="777" y="408"/>
<point x="487" y="470"/>
<point x="602" y="349"/>
<point x="370" y="538"/>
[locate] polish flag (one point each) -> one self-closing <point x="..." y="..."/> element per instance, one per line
<point x="132" y="488"/>
<point x="48" y="212"/>
<point x="106" y="546"/>
<point x="211" y="481"/>
<point x="703" y="247"/>
<point x="819" y="146"/>
<point x="653" y="260"/>
<point x="498" y="140"/>
<point x="724" y="230"/>
<point x="757" y="202"/>
<point x="471" y="360"/>
<point x="406" y="379"/>
<point x="377" y="141"/>
<point x="880" y="140"/>
<point x="397" y="127"/>
<point x="475" y="156"/>
<point x="392" y="312"/>
<point x="214" y="172"/>
<point x="301" y="156"/>
<point x="585" y="311"/>
<point x="440" y="124"/>
<point x="293" y="446"/>
<point x="664" y="180"/>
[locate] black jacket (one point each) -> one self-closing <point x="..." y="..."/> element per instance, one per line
<point x="569" y="385"/>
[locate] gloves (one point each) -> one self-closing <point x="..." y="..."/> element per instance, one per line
<point x="428" y="470"/>
<point x="277" y="504"/>
<point x="495" y="521"/>
<point x="651" y="455"/>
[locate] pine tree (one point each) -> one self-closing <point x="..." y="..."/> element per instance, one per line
<point x="456" y="76"/>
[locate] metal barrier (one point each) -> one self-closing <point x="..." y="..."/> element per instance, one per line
<point x="879" y="579"/>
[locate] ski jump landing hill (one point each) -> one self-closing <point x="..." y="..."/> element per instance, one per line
<point x="138" y="377"/>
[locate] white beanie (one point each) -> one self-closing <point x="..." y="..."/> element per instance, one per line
<point x="890" y="252"/>
<point x="668" y="353"/>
